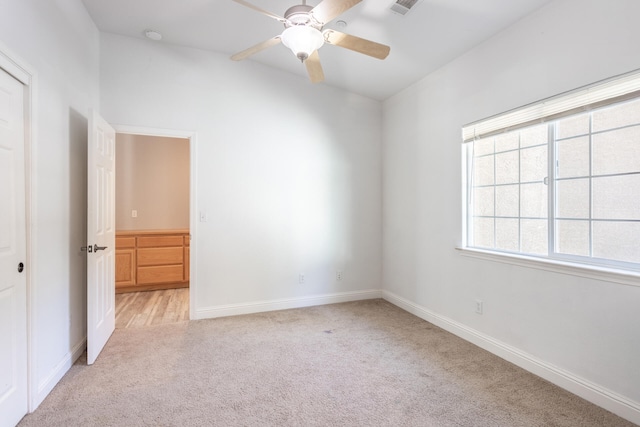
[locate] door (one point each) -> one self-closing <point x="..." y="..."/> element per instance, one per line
<point x="101" y="241"/>
<point x="13" y="282"/>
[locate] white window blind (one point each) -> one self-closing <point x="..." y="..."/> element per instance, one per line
<point x="583" y="99"/>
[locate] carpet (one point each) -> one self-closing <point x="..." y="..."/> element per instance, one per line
<point x="364" y="363"/>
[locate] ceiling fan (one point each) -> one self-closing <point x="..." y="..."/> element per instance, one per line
<point x="303" y="34"/>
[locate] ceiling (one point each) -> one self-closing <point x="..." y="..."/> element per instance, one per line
<point x="431" y="34"/>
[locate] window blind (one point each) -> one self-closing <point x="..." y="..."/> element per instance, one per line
<point x="597" y="95"/>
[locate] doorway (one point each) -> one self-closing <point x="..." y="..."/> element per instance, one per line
<point x="154" y="207"/>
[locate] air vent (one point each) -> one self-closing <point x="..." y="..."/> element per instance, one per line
<point x="402" y="7"/>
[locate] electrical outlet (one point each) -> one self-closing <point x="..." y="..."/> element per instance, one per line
<point x="301" y="278"/>
<point x="479" y="306"/>
<point x="339" y="275"/>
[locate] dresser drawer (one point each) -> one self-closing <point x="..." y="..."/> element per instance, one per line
<point x="125" y="242"/>
<point x="159" y="274"/>
<point x="155" y="241"/>
<point x="160" y="256"/>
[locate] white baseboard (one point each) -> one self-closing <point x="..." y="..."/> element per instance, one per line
<point x="56" y="374"/>
<point x="283" y="304"/>
<point x="594" y="393"/>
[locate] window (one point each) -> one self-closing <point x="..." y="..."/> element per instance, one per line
<point x="562" y="185"/>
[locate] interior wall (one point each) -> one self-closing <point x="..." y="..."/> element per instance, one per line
<point x="152" y="178"/>
<point x="60" y="43"/>
<point x="287" y="174"/>
<point x="585" y="327"/>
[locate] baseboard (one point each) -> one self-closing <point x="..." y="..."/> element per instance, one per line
<point x="283" y="304"/>
<point x="594" y="393"/>
<point x="56" y="374"/>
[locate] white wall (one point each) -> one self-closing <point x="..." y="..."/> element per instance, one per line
<point x="585" y="328"/>
<point x="288" y="173"/>
<point x="58" y="41"/>
<point x="152" y="178"/>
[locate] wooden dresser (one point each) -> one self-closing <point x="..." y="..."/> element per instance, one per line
<point x="152" y="259"/>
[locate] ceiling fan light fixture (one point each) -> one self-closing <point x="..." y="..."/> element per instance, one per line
<point x="303" y="40"/>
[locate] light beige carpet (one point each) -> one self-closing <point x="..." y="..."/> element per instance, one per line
<point x="365" y="363"/>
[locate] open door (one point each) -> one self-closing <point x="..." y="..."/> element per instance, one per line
<point x="101" y="226"/>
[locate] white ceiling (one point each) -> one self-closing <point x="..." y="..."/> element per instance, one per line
<point x="433" y="33"/>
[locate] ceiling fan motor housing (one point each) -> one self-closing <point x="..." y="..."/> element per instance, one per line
<point x="301" y="15"/>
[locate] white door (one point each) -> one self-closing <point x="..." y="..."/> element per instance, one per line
<point x="13" y="282"/>
<point x="101" y="226"/>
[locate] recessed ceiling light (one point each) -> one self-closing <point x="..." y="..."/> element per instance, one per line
<point x="341" y="23"/>
<point x="153" y="35"/>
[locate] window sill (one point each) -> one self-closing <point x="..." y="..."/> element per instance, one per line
<point x="589" y="271"/>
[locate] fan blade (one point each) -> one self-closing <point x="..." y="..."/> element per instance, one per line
<point x="356" y="44"/>
<point x="314" y="68"/>
<point x="330" y="9"/>
<point x="255" y="49"/>
<point x="264" y="12"/>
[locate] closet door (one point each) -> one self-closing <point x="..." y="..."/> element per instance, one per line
<point x="13" y="244"/>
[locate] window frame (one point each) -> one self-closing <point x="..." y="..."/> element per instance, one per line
<point x="622" y="272"/>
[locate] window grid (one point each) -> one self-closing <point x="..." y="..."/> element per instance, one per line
<point x="519" y="192"/>
<point x="552" y="176"/>
<point x="590" y="185"/>
<point x="553" y="214"/>
<point x="495" y="172"/>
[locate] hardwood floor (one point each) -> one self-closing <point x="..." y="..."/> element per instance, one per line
<point x="137" y="309"/>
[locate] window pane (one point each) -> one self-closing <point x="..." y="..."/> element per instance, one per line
<point x="594" y="160"/>
<point x="533" y="235"/>
<point x="483" y="232"/>
<point x="482" y="147"/>
<point x="616" y="197"/>
<point x="572" y="198"/>
<point x="483" y="201"/>
<point x="617" y="241"/>
<point x="507" y="168"/>
<point x="483" y="171"/>
<point x="507" y="234"/>
<point x="535" y="135"/>
<point x="573" y="157"/>
<point x="533" y="200"/>
<point x="507" y="200"/>
<point x="617" y="151"/>
<point x="572" y="237"/>
<point x="572" y="126"/>
<point x="624" y="114"/>
<point x="533" y="164"/>
<point x="507" y="141"/>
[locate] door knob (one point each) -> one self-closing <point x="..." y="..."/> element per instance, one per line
<point x="20" y="267"/>
<point x="94" y="248"/>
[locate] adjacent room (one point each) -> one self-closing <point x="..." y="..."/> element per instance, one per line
<point x="152" y="238"/>
<point x="426" y="214"/>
